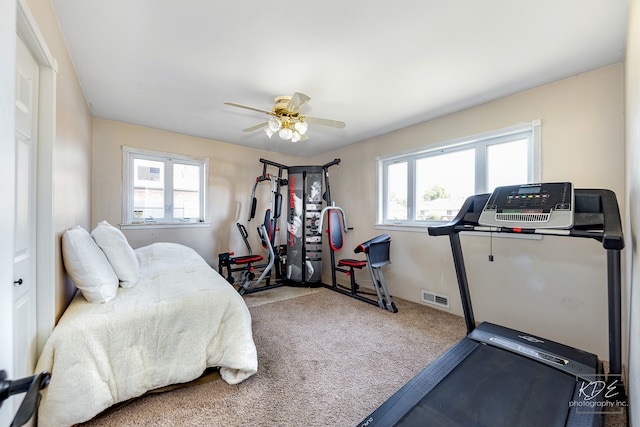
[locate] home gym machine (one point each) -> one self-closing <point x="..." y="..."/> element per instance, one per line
<point x="498" y="376"/>
<point x="376" y="251"/>
<point x="268" y="233"/>
<point x="298" y="262"/>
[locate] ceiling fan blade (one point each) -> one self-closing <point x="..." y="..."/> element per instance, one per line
<point x="260" y="110"/>
<point x="325" y="122"/>
<point x="297" y="100"/>
<point x="256" y="127"/>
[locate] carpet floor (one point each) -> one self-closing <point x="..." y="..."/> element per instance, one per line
<point x="324" y="360"/>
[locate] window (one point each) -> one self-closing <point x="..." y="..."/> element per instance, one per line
<point x="432" y="183"/>
<point x="163" y="188"/>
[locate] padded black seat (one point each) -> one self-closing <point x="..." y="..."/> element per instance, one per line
<point x="355" y="263"/>
<point x="245" y="259"/>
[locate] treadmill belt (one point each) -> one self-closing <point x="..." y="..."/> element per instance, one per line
<point x="493" y="387"/>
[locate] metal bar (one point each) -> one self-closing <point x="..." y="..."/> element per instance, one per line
<point x="614" y="296"/>
<point x="463" y="284"/>
<point x="269" y="162"/>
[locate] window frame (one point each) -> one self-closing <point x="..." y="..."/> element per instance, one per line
<point x="129" y="155"/>
<point x="478" y="142"/>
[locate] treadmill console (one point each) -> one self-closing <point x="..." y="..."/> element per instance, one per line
<point x="545" y="205"/>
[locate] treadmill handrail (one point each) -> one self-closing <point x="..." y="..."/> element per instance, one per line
<point x="613" y="237"/>
<point x="473" y="204"/>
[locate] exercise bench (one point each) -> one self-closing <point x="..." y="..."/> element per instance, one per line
<point x="376" y="251"/>
<point x="244" y="263"/>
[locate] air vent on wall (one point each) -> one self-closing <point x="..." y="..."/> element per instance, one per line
<point x="435" y="299"/>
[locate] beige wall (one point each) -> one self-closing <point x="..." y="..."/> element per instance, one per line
<point x="72" y="151"/>
<point x="232" y="174"/>
<point x="632" y="110"/>
<point x="552" y="287"/>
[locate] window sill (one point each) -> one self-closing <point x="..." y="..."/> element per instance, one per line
<point x="417" y="228"/>
<point x="145" y="225"/>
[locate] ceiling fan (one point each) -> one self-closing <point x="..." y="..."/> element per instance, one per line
<point x="286" y="119"/>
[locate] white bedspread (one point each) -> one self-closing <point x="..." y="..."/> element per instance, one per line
<point x="180" y="318"/>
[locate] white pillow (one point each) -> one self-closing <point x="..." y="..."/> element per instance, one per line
<point x="88" y="266"/>
<point x="121" y="256"/>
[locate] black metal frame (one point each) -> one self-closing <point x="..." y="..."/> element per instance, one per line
<point x="29" y="385"/>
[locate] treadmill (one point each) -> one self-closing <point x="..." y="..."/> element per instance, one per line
<point x="497" y="376"/>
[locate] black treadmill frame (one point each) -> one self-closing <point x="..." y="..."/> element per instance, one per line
<point x="596" y="216"/>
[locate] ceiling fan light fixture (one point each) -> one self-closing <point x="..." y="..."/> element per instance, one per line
<point x="286" y="134"/>
<point x="301" y="127"/>
<point x="275" y="124"/>
<point x="285" y="118"/>
<point x="269" y="132"/>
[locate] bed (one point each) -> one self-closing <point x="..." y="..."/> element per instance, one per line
<point x="171" y="320"/>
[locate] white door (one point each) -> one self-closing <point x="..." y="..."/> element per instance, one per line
<point x="24" y="288"/>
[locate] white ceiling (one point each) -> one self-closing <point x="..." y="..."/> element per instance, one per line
<point x="378" y="65"/>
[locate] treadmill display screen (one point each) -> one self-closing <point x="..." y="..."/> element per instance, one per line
<point x="529" y="189"/>
<point x="547" y="205"/>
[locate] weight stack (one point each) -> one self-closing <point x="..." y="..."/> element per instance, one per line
<point x="304" y="238"/>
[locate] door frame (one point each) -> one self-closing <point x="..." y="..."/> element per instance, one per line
<point x="7" y="190"/>
<point x="46" y="277"/>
